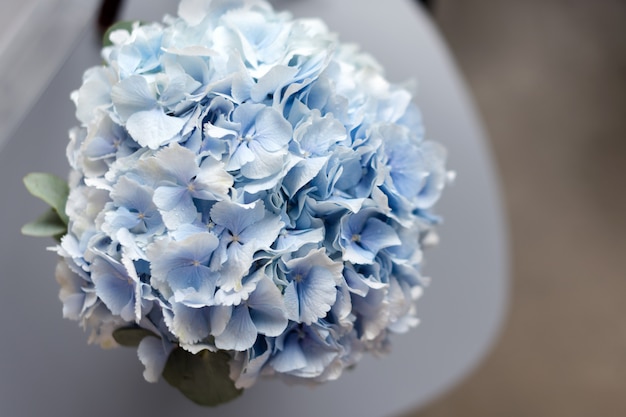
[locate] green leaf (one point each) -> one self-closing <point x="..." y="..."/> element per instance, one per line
<point x="123" y="25"/>
<point x="48" y="224"/>
<point x="51" y="189"/>
<point x="131" y="336"/>
<point x="203" y="378"/>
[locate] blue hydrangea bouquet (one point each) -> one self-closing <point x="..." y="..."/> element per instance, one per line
<point x="248" y="197"/>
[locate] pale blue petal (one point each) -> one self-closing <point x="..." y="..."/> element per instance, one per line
<point x="153" y="128"/>
<point x="240" y="332"/>
<point x="318" y="354"/>
<point x="176" y="206"/>
<point x="114" y="287"/>
<point x="193" y="284"/>
<point x="273" y="132"/>
<point x="318" y="137"/>
<point x="237" y="296"/>
<point x="292" y="302"/>
<point x="94" y="94"/>
<point x="275" y="78"/>
<point x="73" y="305"/>
<point x="193" y="11"/>
<point x="301" y="174"/>
<point x="377" y="235"/>
<point x="130" y="244"/>
<point x="197" y="298"/>
<point x="131" y="194"/>
<point x="238" y="262"/>
<point x="372" y="315"/>
<point x="292" y="240"/>
<point x="435" y="154"/>
<point x="179" y="162"/>
<point x="128" y="59"/>
<point x="182" y="265"/>
<point x="356" y="254"/>
<point x="175" y="95"/>
<point x="241" y="87"/>
<point x="237" y="217"/>
<point x="132" y="95"/>
<point x="153" y="354"/>
<point x="99" y="147"/>
<point x="246" y="114"/>
<point x="333" y="203"/>
<point x="251" y="370"/>
<point x="291" y="357"/>
<point x="265" y="163"/>
<point x="263" y="232"/>
<point x="407" y="171"/>
<point x="219" y="318"/>
<point x="312" y="290"/>
<point x="240" y="157"/>
<point x="358" y="284"/>
<point x="267" y="308"/>
<point x="267" y="183"/>
<point x="121" y="218"/>
<point x="212" y="179"/>
<point x="316" y="293"/>
<point x="191" y="325"/>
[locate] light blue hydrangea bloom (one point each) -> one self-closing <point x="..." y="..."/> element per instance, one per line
<point x="241" y="181"/>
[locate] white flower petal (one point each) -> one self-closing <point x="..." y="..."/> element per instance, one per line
<point x="153" y="128"/>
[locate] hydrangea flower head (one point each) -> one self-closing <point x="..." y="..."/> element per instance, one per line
<point x="244" y="184"/>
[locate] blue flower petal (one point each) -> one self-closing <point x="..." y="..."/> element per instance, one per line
<point x="275" y="78"/>
<point x="242" y="155"/>
<point x="267" y="308"/>
<point x="191" y="325"/>
<point x="114" y="287"/>
<point x="316" y="137"/>
<point x="291" y="357"/>
<point x="377" y="235"/>
<point x="176" y="205"/>
<point x="312" y="290"/>
<point x="237" y="217"/>
<point x="240" y="332"/>
<point x="153" y="354"/>
<point x="132" y="95"/>
<point x="302" y="173"/>
<point x="179" y="268"/>
<point x="129" y="193"/>
<point x="153" y="128"/>
<point x="212" y="180"/>
<point x="219" y="318"/>
<point x="178" y="164"/>
<point x="273" y="132"/>
<point x="265" y="163"/>
<point x="237" y="264"/>
<point x="292" y="240"/>
<point x="267" y="191"/>
<point x="263" y="233"/>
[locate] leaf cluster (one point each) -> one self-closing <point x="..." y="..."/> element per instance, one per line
<point x="202" y="377"/>
<point x="54" y="192"/>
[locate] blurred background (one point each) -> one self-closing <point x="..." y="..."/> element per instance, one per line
<point x="549" y="77"/>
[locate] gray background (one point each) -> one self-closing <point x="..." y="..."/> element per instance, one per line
<point x="46" y="365"/>
<point x="550" y="79"/>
